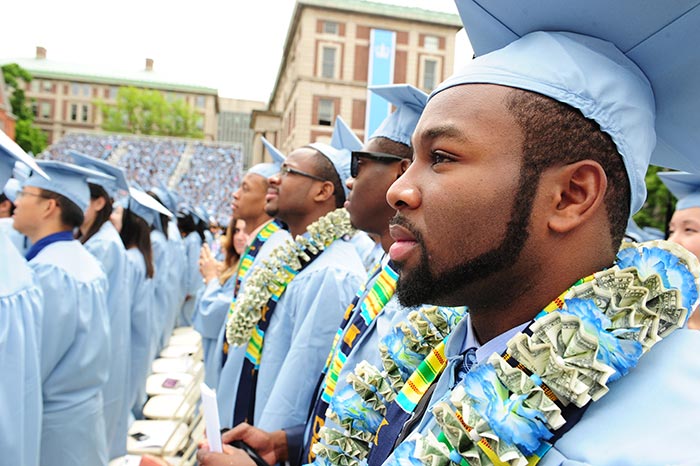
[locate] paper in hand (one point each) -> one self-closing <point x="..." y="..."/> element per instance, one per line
<point x="210" y="411"/>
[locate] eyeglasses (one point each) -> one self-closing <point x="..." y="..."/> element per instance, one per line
<point x="378" y="156"/>
<point x="285" y="170"/>
<point x="27" y="193"/>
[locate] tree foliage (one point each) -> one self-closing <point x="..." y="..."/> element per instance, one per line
<point x="28" y="137"/>
<point x="658" y="208"/>
<point x="142" y="111"/>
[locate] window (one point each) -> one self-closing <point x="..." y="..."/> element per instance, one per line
<point x="328" y="62"/>
<point x="73" y="112"/>
<point x="431" y="43"/>
<point x="45" y="110"/>
<point x="86" y="109"/>
<point x="330" y="27"/>
<point x="200" y="123"/>
<point x="113" y="92"/>
<point x="200" y="101"/>
<point x="75" y="89"/>
<point x="34" y="86"/>
<point x="47" y="86"/>
<point x="325" y="112"/>
<point x="429" y="73"/>
<point x="35" y="110"/>
<point x="86" y="90"/>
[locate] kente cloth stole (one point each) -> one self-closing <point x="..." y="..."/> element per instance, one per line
<point x="244" y="408"/>
<point x="401" y="409"/>
<point x="362" y="314"/>
<point x="246" y="261"/>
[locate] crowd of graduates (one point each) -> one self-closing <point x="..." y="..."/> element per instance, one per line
<point x="152" y="161"/>
<point x="454" y="290"/>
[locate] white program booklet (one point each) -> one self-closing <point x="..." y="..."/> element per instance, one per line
<point x="210" y="411"/>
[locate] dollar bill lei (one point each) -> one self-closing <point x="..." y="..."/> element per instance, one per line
<point x="356" y="411"/>
<point x="275" y="273"/>
<point x="507" y="411"/>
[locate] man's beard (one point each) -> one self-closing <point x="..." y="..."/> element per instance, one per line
<point x="422" y="286"/>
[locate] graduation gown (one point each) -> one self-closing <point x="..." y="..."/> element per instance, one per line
<point x="229" y="372"/>
<point x="162" y="294"/>
<point x="212" y="308"/>
<point x="178" y="264"/>
<point x="370" y="252"/>
<point x="108" y="248"/>
<point x="21" y="307"/>
<point x="300" y="335"/>
<point x="143" y="343"/>
<point x="75" y="354"/>
<point x="193" y="280"/>
<point x="652" y="405"/>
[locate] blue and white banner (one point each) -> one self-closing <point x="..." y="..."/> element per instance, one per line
<point x="382" y="48"/>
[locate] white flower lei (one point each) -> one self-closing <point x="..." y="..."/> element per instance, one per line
<point x="279" y="269"/>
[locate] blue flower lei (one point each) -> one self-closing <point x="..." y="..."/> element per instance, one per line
<point x="504" y="413"/>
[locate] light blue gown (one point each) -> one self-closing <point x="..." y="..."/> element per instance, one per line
<point x="21" y="308"/>
<point x="193" y="281"/>
<point x="20" y="241"/>
<point x="370" y="252"/>
<point x="142" y="322"/>
<point x="209" y="317"/>
<point x="300" y="335"/>
<point x="230" y="371"/>
<point x="162" y="294"/>
<point x="108" y="248"/>
<point x="632" y="424"/>
<point x="176" y="271"/>
<point x="75" y="354"/>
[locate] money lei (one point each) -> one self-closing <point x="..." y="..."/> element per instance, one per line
<point x="505" y="410"/>
<point x="275" y="273"/>
<point x="359" y="407"/>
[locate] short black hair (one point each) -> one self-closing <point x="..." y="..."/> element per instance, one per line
<point x="393" y="147"/>
<point x="325" y="169"/>
<point x="71" y="215"/>
<point x="558" y="134"/>
<point x="4" y="198"/>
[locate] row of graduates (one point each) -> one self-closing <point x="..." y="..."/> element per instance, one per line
<point x="450" y="188"/>
<point x="97" y="294"/>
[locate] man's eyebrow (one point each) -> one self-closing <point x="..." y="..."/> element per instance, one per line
<point x="445" y="131"/>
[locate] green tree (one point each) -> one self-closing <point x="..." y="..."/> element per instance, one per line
<point x="27" y="136"/>
<point x="141" y="111"/>
<point x="658" y="208"/>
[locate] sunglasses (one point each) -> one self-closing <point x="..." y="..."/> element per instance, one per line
<point x="377" y="156"/>
<point x="285" y="170"/>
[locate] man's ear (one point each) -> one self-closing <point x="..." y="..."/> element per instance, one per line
<point x="578" y="193"/>
<point x="324" y="192"/>
<point x="403" y="166"/>
<point x="50" y="208"/>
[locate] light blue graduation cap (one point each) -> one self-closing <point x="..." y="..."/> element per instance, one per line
<point x="200" y="216"/>
<point x="67" y="180"/>
<point x="343" y="141"/>
<point x="685" y="186"/>
<point x="144" y="206"/>
<point x="604" y="60"/>
<point x="409" y="102"/>
<point x="167" y="196"/>
<point x="343" y="137"/>
<point x="118" y="185"/>
<point x="10" y="153"/>
<point x="268" y="169"/>
<point x="11" y="189"/>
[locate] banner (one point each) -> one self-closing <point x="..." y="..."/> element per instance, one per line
<point x="382" y="48"/>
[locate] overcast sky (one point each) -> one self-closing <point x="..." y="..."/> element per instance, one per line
<point x="232" y="45"/>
